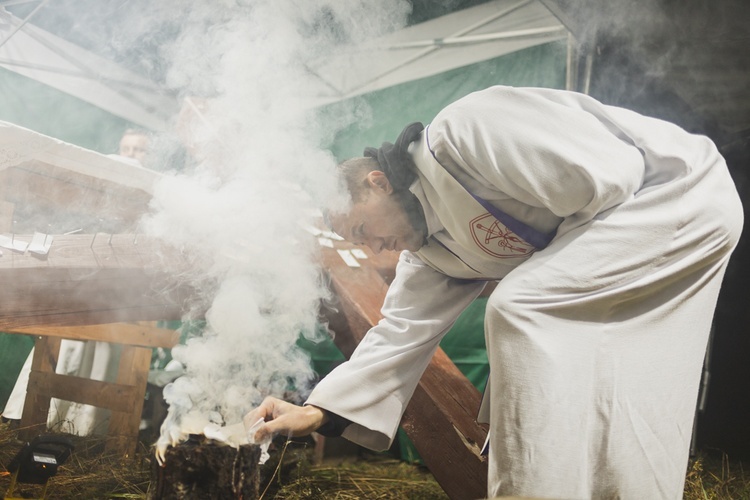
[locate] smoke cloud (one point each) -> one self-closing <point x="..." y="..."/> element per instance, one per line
<point x="253" y="177"/>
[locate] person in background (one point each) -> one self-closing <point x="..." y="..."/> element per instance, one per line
<point x="608" y="234"/>
<point x="135" y="144"/>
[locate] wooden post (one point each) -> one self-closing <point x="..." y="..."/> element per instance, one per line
<point x="132" y="372"/>
<point x="144" y="335"/>
<point x="36" y="407"/>
<point x="441" y="416"/>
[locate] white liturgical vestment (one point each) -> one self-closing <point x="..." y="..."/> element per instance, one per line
<point x="596" y="341"/>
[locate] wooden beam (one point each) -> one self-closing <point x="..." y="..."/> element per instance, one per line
<point x="117" y="397"/>
<point x="78" y="194"/>
<point x="117" y="333"/>
<point x="124" y="423"/>
<point x="441" y="416"/>
<point x="92" y="279"/>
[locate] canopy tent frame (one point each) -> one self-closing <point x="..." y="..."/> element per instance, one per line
<point x="460" y="37"/>
<point x="484" y="31"/>
<point x="475" y="34"/>
<point x="42" y="56"/>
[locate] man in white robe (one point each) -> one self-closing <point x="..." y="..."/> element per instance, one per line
<point x="609" y="233"/>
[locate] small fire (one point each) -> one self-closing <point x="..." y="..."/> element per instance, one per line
<point x="234" y="435"/>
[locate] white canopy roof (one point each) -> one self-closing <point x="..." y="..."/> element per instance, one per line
<point x="37" y="54"/>
<point x="464" y="37"/>
<point x="468" y="36"/>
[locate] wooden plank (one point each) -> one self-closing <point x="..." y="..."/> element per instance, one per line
<point x="442" y="382"/>
<point x="441" y="416"/>
<point x="116" y="397"/>
<point x="42" y="195"/>
<point x="119" y="193"/>
<point x="118" y="333"/>
<point x="93" y="279"/>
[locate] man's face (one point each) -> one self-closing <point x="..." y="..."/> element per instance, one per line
<point x="134" y="146"/>
<point x="378" y="221"/>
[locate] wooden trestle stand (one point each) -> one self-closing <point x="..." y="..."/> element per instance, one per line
<point x="86" y="286"/>
<point x="124" y="396"/>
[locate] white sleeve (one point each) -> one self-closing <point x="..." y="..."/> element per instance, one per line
<point x="373" y="388"/>
<point x="541" y="152"/>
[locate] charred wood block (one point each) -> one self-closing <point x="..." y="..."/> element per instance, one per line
<point x="206" y="471"/>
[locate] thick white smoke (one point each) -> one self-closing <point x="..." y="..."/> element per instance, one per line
<point x="256" y="175"/>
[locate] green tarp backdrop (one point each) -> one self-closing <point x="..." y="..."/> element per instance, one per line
<point x="36" y="106"/>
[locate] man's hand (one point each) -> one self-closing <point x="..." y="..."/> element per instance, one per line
<point x="284" y="418"/>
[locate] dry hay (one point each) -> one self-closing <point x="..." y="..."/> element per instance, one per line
<point x="372" y="476"/>
<point x="376" y="478"/>
<point x="717" y="478"/>
<point x="92" y="473"/>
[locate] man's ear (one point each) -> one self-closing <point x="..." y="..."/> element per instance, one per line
<point x="378" y="181"/>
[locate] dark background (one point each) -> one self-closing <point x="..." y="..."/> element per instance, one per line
<point x="687" y="62"/>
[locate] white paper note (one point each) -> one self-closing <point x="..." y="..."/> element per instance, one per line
<point x="347" y="256"/>
<point x="13" y="243"/>
<point x="40" y="243"/>
<point x="325" y="242"/>
<point x="359" y="253"/>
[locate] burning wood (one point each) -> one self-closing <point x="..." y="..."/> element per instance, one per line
<point x="202" y="460"/>
<point x="202" y="468"/>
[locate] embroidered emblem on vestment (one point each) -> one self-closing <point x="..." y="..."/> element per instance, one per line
<point x="497" y="240"/>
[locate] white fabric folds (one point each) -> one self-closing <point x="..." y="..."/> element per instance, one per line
<point x="596" y="342"/>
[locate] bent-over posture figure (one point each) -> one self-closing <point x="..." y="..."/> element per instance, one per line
<point x="609" y="233"/>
